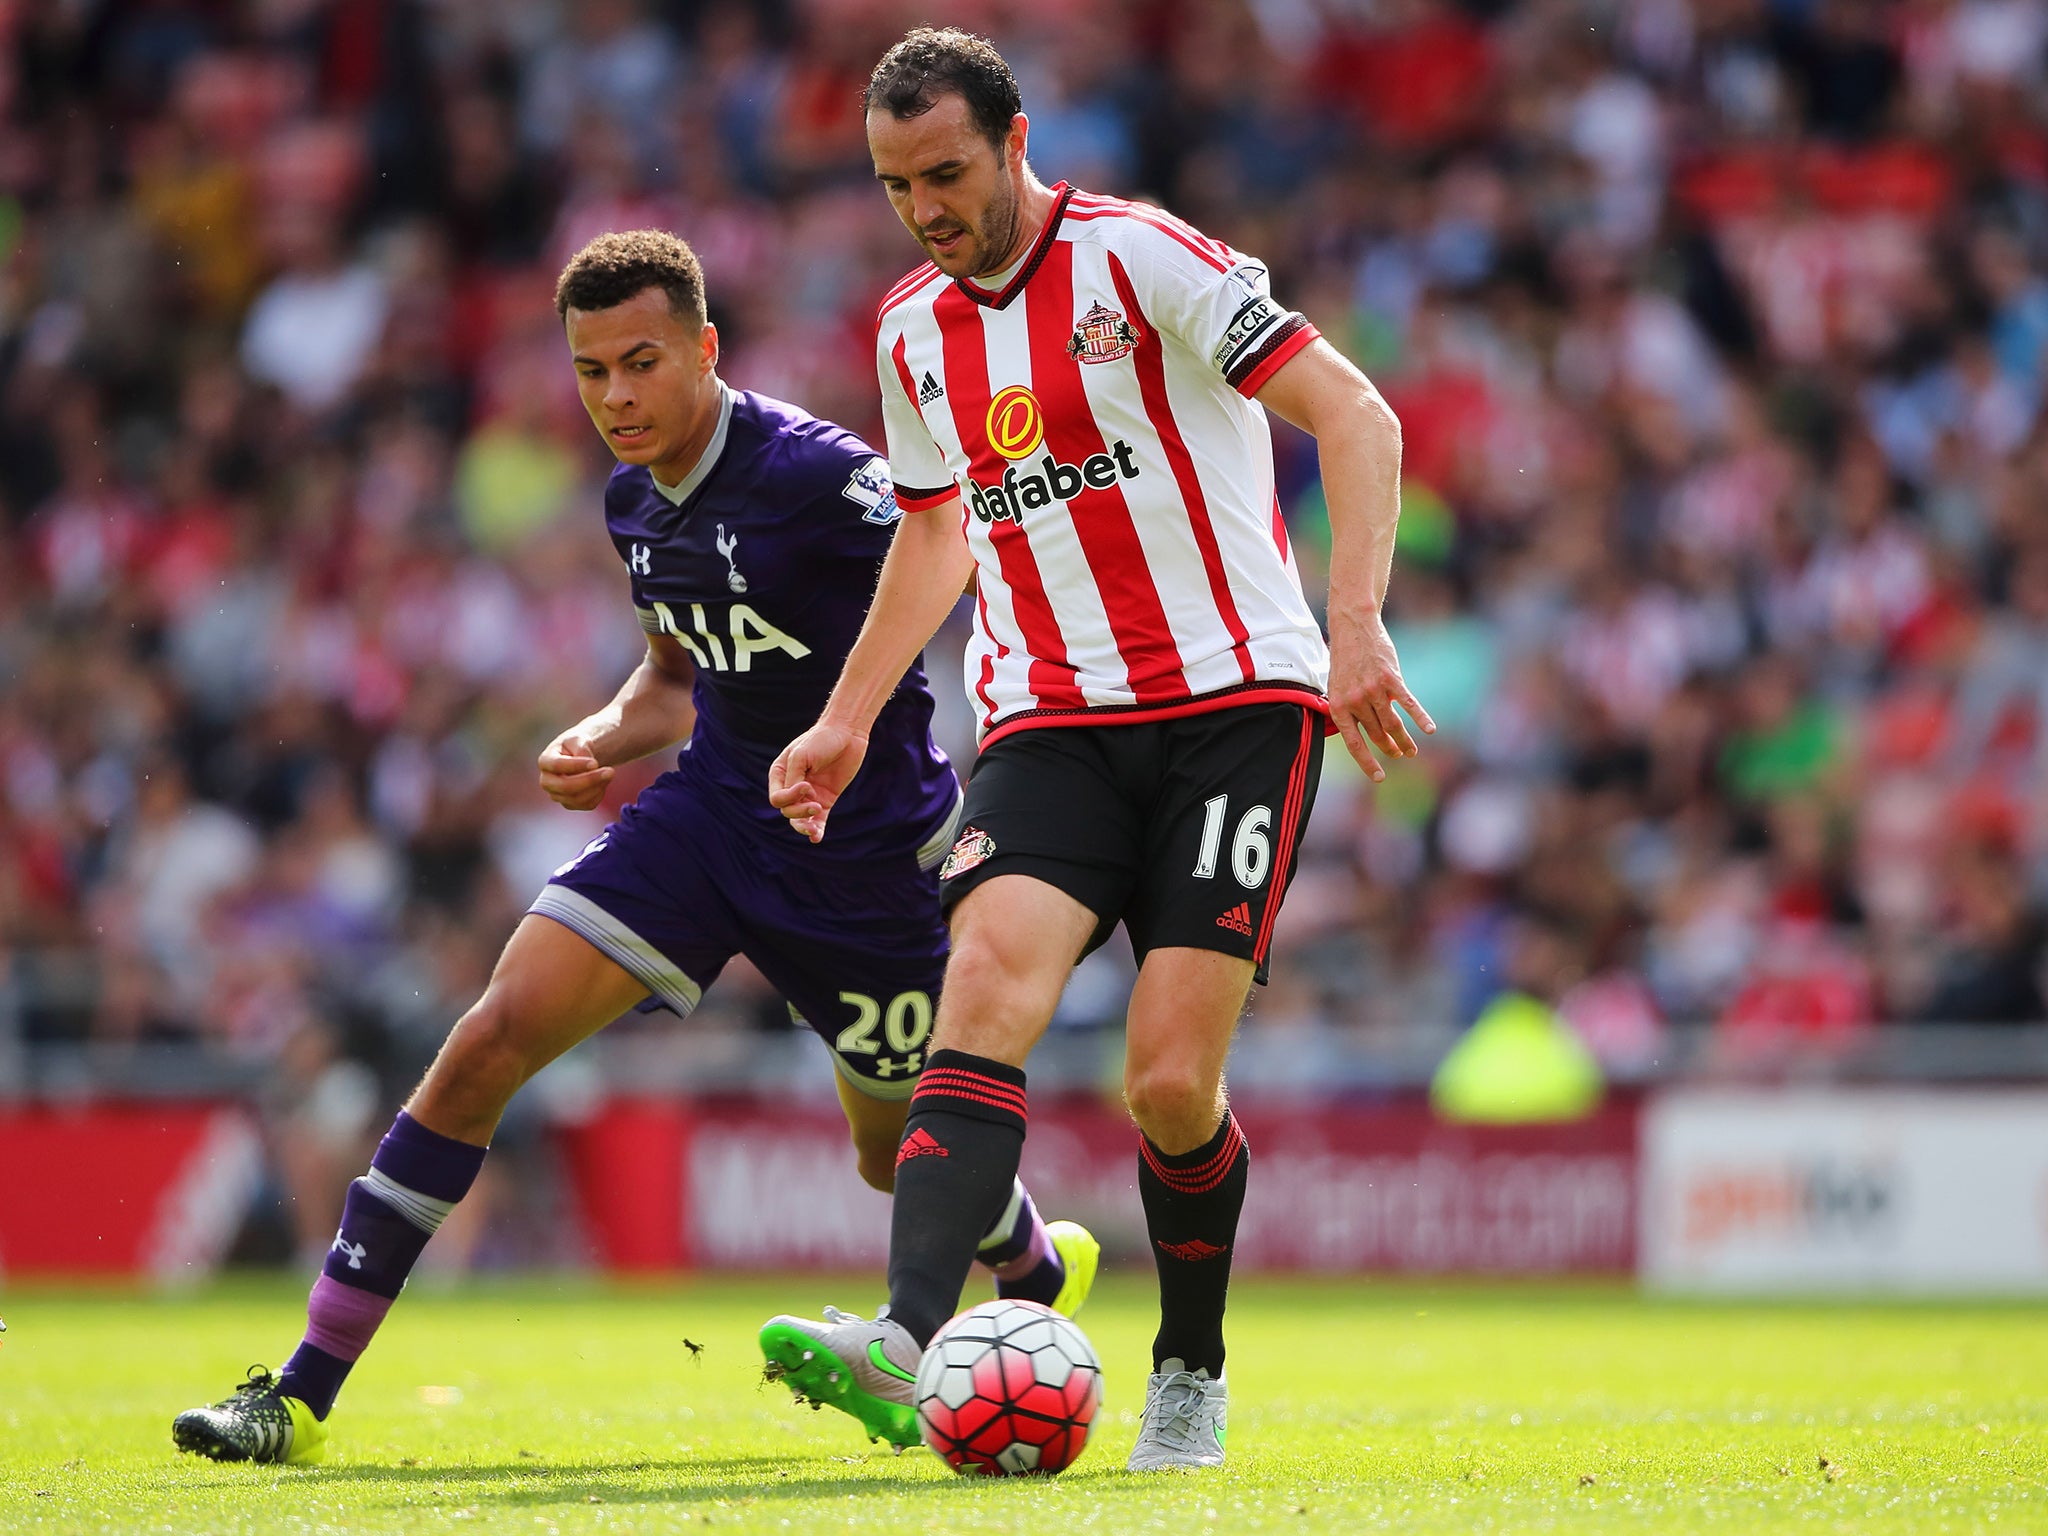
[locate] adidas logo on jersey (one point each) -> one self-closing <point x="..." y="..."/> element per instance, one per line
<point x="1013" y="496"/>
<point x="919" y="1143"/>
<point x="928" y="389"/>
<point x="1238" y="919"/>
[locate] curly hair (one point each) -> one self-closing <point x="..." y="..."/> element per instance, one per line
<point x="614" y="267"/>
<point x="933" y="62"/>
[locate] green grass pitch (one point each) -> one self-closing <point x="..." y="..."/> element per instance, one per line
<point x="540" y="1407"/>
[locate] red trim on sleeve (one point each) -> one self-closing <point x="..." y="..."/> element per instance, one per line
<point x="935" y="500"/>
<point x="1256" y="379"/>
<point x="916" y="498"/>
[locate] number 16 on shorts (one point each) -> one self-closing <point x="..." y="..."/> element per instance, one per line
<point x="1251" y="850"/>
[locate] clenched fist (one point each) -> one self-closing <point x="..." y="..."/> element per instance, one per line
<point x="571" y="774"/>
<point x="811" y="774"/>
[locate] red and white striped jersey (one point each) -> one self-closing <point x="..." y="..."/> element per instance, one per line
<point x="1116" y="477"/>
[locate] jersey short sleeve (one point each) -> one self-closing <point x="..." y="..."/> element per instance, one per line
<point x="922" y="479"/>
<point x="864" y="501"/>
<point x="1216" y="301"/>
<point x="844" y="488"/>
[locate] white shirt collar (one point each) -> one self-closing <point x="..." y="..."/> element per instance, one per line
<point x="707" y="461"/>
<point x="996" y="282"/>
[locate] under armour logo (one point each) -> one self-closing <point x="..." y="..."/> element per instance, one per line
<point x="642" y="560"/>
<point x="889" y="1066"/>
<point x="356" y="1251"/>
<point x="726" y="545"/>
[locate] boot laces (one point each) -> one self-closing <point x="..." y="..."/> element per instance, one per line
<point x="260" y="1380"/>
<point x="1177" y="1408"/>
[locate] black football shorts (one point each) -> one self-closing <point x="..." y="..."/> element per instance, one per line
<point x="1184" y="830"/>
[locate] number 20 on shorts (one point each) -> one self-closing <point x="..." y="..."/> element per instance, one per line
<point x="906" y="1022"/>
<point x="1250" y="851"/>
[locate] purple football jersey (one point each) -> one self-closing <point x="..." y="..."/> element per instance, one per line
<point x="761" y="564"/>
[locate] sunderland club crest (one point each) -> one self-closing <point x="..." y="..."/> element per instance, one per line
<point x="973" y="848"/>
<point x="1103" y="336"/>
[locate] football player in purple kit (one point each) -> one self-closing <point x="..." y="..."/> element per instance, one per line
<point x="753" y="534"/>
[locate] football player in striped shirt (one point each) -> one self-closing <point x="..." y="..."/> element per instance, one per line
<point x="752" y="533"/>
<point x="1075" y="389"/>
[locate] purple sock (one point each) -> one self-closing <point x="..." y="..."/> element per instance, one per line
<point x="414" y="1181"/>
<point x="1019" y="1253"/>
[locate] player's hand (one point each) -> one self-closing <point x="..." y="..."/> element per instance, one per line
<point x="813" y="771"/>
<point x="1365" y="685"/>
<point x="570" y="773"/>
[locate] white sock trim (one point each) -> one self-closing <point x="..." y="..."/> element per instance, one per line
<point x="1006" y="1224"/>
<point x="423" y="1211"/>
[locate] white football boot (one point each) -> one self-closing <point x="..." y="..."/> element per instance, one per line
<point x="1186" y="1420"/>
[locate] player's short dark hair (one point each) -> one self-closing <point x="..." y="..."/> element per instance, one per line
<point x="934" y="62"/>
<point x="612" y="268"/>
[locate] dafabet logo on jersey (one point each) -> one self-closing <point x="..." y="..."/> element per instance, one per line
<point x="1016" y="427"/>
<point x="1015" y="423"/>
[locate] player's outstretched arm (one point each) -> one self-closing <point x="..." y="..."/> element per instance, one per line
<point x="928" y="565"/>
<point x="1358" y="440"/>
<point x="651" y="711"/>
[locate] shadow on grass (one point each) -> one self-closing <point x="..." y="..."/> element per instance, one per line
<point x="692" y="1480"/>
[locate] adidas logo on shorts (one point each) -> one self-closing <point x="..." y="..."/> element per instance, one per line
<point x="1238" y="919"/>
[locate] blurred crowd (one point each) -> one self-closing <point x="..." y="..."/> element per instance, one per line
<point x="1718" y="330"/>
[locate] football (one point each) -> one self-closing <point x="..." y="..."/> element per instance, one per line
<point x="1008" y="1387"/>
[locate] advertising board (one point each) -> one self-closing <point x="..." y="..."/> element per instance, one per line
<point x="1908" y="1190"/>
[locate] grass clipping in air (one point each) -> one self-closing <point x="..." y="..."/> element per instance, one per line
<point x="539" y="1407"/>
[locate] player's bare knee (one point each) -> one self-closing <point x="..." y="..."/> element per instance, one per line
<point x="974" y="973"/>
<point x="487" y="1057"/>
<point x="1173" y="1104"/>
<point x="981" y="984"/>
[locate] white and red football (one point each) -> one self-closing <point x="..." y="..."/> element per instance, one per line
<point x="1008" y="1387"/>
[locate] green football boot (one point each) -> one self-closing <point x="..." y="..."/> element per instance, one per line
<point x="1082" y="1256"/>
<point x="258" y="1423"/>
<point x="866" y="1369"/>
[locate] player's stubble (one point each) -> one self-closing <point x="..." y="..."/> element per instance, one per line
<point x="994" y="234"/>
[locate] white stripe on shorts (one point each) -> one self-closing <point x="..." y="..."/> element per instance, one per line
<point x="933" y="853"/>
<point x="638" y="958"/>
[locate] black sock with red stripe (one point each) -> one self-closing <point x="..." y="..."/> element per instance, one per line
<point x="955" y="1171"/>
<point x="1192" y="1203"/>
